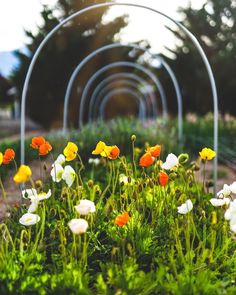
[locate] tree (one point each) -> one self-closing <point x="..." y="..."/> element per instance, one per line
<point x="214" y="25"/>
<point x="58" y="59"/>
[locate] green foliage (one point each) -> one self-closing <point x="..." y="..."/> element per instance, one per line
<point x="214" y="26"/>
<point x="158" y="251"/>
<point x="60" y="56"/>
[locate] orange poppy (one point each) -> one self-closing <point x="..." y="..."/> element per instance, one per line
<point x="45" y="148"/>
<point x="8" y="156"/>
<point x="114" y="153"/>
<point x="146" y="160"/>
<point x="163" y="178"/>
<point x="37" y="142"/>
<point x="155" y="151"/>
<point x="122" y="219"/>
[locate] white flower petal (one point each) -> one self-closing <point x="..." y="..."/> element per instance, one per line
<point x="27" y="193"/>
<point x="78" y="226"/>
<point x="171" y="161"/>
<point x="225" y="192"/>
<point x="95" y="161"/>
<point x="68" y="175"/>
<point x="186" y="207"/>
<point x="34" y="205"/>
<point x="44" y="196"/>
<point x="233" y="187"/>
<point x="57" y="172"/>
<point x="60" y="160"/>
<point x="216" y="202"/>
<point x="29" y="219"/>
<point x="85" y="207"/>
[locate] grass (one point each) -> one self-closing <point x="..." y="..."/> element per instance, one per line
<point x="158" y="251"/>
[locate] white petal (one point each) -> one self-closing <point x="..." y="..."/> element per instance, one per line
<point x="34" y="205"/>
<point x="219" y="202"/>
<point x="186" y="207"/>
<point x="29" y="219"/>
<point x="60" y="160"/>
<point x="78" y="226"/>
<point x="44" y="196"/>
<point x="57" y="172"/>
<point x="68" y="175"/>
<point x="171" y="161"/>
<point x="85" y="207"/>
<point x="233" y="187"/>
<point x="227" y="214"/>
<point x="225" y="192"/>
<point x="27" y="193"/>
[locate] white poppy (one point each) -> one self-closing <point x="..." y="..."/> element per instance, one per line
<point x="68" y="175"/>
<point x="57" y="172"/>
<point x="36" y="198"/>
<point x="233" y="187"/>
<point x="29" y="219"/>
<point x="60" y="160"/>
<point x="186" y="207"/>
<point x="85" y="207"/>
<point x="95" y="161"/>
<point x="27" y="193"/>
<point x="230" y="213"/>
<point x="225" y="192"/>
<point x="78" y="226"/>
<point x="171" y="161"/>
<point x="216" y="202"/>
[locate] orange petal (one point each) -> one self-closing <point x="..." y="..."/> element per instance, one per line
<point x="146" y="160"/>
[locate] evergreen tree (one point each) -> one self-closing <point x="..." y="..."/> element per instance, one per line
<point x="214" y="25"/>
<point x="61" y="55"/>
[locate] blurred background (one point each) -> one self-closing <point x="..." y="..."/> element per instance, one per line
<point x="25" y="23"/>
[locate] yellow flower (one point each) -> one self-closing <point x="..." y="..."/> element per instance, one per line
<point x="70" y="151"/>
<point x="207" y="154"/>
<point x="1" y="158"/>
<point x="99" y="148"/>
<point x="23" y="174"/>
<point x="106" y="151"/>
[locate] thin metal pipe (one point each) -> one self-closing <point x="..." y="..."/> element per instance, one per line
<point x="87" y="59"/>
<point x="119" y="64"/>
<point x="110" y="4"/>
<point x="132" y="85"/>
<point x="103" y="83"/>
<point x="142" y="108"/>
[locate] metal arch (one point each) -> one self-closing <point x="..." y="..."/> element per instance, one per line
<point x="112" y="77"/>
<point x="142" y="109"/>
<point x="126" y="64"/>
<point x="133" y="46"/>
<point x="151" y="112"/>
<point x="100" y="5"/>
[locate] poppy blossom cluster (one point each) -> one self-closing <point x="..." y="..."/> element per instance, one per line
<point x="110" y="152"/>
<point x="39" y="143"/>
<point x="150" y="154"/>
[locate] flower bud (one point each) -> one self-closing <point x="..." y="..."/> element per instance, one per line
<point x="183" y="158"/>
<point x="90" y="183"/>
<point x="213" y="218"/>
<point x="133" y="137"/>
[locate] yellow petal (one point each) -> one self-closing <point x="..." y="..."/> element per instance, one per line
<point x="1" y="158"/>
<point x="99" y="148"/>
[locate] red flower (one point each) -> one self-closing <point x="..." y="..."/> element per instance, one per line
<point x="155" y="151"/>
<point x="114" y="153"/>
<point x="40" y="143"/>
<point x="37" y="142"/>
<point x="45" y="148"/>
<point x="8" y="156"/>
<point x="163" y="178"/>
<point x="146" y="160"/>
<point x="122" y="219"/>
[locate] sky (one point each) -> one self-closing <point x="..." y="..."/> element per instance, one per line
<point x="15" y="15"/>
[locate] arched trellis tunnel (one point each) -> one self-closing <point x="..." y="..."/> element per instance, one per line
<point x="103" y="5"/>
<point x="121" y="75"/>
<point x="98" y="107"/>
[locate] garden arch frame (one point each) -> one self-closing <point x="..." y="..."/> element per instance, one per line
<point x="121" y="75"/>
<point x="97" y="97"/>
<point x="89" y="8"/>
